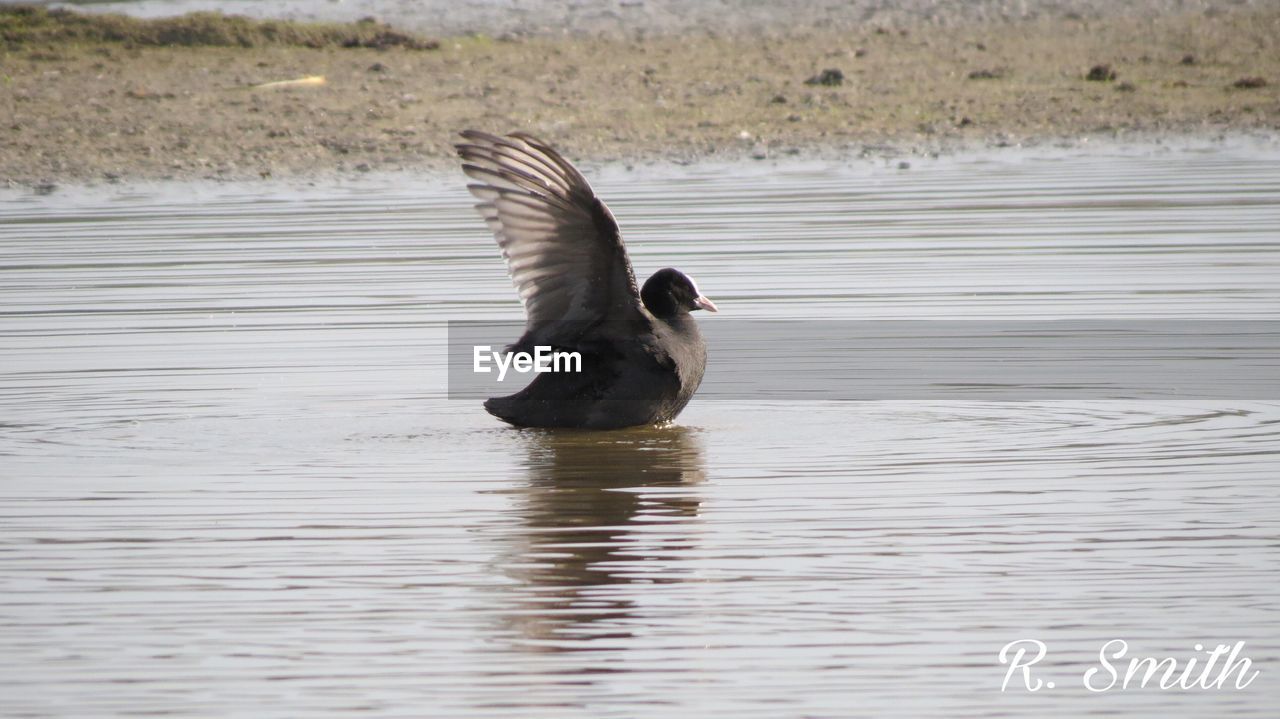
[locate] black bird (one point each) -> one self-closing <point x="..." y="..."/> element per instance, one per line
<point x="642" y="357"/>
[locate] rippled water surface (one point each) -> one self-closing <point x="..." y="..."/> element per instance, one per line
<point x="233" y="486"/>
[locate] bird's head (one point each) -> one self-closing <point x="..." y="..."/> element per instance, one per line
<point x="671" y="292"/>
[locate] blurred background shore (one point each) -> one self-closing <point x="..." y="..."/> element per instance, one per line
<point x="373" y="85"/>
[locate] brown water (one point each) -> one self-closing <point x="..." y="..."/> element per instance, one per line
<point x="232" y="484"/>
<point x="550" y="17"/>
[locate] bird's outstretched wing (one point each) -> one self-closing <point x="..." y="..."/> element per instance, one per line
<point x="562" y="246"/>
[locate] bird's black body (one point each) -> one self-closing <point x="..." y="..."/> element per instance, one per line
<point x="626" y="380"/>
<point x="642" y="354"/>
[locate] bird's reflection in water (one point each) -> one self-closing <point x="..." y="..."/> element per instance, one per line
<point x="602" y="513"/>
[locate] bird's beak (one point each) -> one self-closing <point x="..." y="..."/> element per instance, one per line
<point x="703" y="303"/>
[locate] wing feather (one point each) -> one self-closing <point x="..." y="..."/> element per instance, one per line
<point x="562" y="247"/>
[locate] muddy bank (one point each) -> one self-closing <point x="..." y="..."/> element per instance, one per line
<point x="93" y="110"/>
<point x="27" y="26"/>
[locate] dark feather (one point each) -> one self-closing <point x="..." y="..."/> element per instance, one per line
<point x="562" y="245"/>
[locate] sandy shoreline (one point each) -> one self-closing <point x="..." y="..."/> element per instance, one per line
<point x="90" y="113"/>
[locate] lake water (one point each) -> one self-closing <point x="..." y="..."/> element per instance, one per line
<point x="551" y="17"/>
<point x="233" y="484"/>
